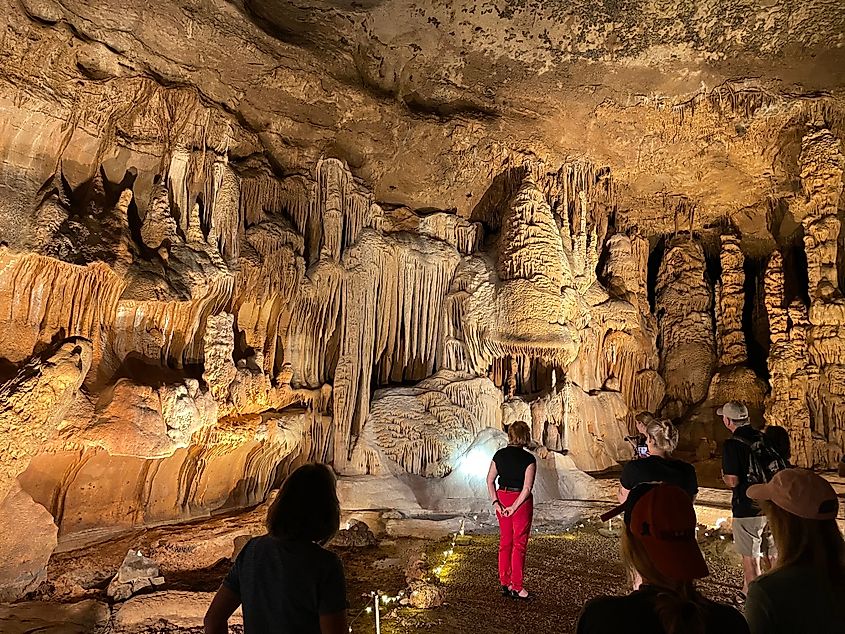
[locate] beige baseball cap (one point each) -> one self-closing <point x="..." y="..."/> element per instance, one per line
<point x="799" y="491"/>
<point x="734" y="410"/>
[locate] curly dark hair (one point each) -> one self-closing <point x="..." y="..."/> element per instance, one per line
<point x="307" y="507"/>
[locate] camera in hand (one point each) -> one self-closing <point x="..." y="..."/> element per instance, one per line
<point x="639" y="445"/>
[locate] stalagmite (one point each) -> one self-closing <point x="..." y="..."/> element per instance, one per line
<point x="158" y="226"/>
<point x="729" y="304"/>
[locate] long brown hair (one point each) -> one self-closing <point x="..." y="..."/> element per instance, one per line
<point x="307" y="507"/>
<point x="816" y="543"/>
<point x="679" y="606"/>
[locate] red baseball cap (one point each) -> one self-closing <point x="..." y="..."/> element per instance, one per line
<point x="662" y="518"/>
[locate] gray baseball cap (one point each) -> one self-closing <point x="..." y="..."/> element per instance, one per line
<point x="734" y="410"/>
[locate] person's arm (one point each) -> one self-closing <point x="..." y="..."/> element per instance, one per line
<point x="758" y="611"/>
<point x="334" y="623"/>
<point x="693" y="482"/>
<point x="527" y="485"/>
<point x="332" y="593"/>
<point x="492" y="474"/>
<point x="730" y="464"/>
<point x="223" y="605"/>
<point x="627" y="481"/>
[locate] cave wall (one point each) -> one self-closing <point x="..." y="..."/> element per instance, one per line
<point x="234" y="238"/>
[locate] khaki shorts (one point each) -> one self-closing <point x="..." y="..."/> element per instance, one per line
<point x="752" y="537"/>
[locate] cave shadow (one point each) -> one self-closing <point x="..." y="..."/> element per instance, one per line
<point x="488" y="211"/>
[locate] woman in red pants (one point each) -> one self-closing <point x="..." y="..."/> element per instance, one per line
<point x="515" y="467"/>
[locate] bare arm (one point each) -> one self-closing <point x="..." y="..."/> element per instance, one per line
<point x="530" y="472"/>
<point x="731" y="480"/>
<point x="333" y="623"/>
<point x="223" y="605"/>
<point x="492" y="474"/>
<point x="622" y="494"/>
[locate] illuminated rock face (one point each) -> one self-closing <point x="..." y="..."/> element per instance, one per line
<point x="225" y="253"/>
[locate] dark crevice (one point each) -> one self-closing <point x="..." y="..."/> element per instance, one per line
<point x="655" y="258"/>
<point x="755" y="318"/>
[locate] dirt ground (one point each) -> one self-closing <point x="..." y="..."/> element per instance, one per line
<point x="563" y="572"/>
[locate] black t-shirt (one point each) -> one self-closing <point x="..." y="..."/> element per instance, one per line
<point x="636" y="614"/>
<point x="659" y="469"/>
<point x="511" y="463"/>
<point x="736" y="456"/>
<point x="285" y="586"/>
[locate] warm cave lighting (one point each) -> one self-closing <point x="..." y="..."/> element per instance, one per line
<point x="477" y="462"/>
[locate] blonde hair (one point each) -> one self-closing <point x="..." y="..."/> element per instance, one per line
<point x="678" y="604"/>
<point x="800" y="541"/>
<point x="519" y="434"/>
<point x="663" y="434"/>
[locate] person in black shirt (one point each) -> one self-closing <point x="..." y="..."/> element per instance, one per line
<point x="285" y="580"/>
<point x="515" y="468"/>
<point x="659" y="544"/>
<point x="749" y="523"/>
<point x="659" y="466"/>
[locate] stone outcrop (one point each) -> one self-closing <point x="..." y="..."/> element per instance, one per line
<point x="730" y="300"/>
<point x="34" y="402"/>
<point x="684" y="304"/>
<point x="28" y="539"/>
<point x="805" y="360"/>
<point x="262" y="237"/>
<point x="136" y="574"/>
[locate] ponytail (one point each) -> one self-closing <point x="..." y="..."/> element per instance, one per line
<point x="664" y="434"/>
<point x="680" y="609"/>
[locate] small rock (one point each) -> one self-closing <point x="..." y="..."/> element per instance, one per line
<point x="356" y="535"/>
<point x="424" y="595"/>
<point x="135" y="574"/>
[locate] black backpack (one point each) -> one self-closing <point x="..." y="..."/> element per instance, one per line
<point x="763" y="461"/>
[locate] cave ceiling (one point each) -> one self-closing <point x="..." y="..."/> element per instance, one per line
<point x="696" y="107"/>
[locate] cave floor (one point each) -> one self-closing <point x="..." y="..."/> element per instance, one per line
<point x="566" y="566"/>
<point x="562" y="570"/>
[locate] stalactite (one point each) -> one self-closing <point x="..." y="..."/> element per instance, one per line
<point x="47" y="298"/>
<point x="178" y="185"/>
<point x="224" y="211"/>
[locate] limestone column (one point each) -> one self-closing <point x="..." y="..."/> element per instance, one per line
<point x="684" y="302"/>
<point x="730" y="300"/>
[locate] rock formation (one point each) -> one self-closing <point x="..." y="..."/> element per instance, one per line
<point x="684" y="304"/>
<point x="805" y="359"/>
<point x="236" y="237"/>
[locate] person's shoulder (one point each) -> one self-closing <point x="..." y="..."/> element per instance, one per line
<point x="603" y="609"/>
<point x="324" y="555"/>
<point x="610" y="601"/>
<point x="727" y="617"/>
<point x="786" y="578"/>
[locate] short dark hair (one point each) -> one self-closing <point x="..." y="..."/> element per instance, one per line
<point x="307" y="507"/>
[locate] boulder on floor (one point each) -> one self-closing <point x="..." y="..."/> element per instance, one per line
<point x="136" y="573"/>
<point x="27" y="539"/>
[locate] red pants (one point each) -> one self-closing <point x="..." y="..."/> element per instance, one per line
<point x="513" y="538"/>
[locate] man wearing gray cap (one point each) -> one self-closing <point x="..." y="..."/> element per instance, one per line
<point x="749" y="523"/>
